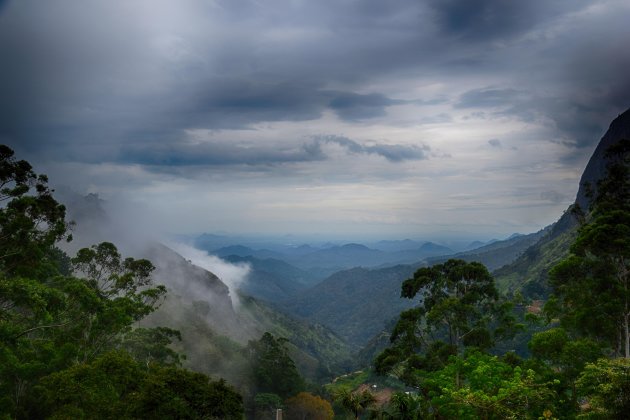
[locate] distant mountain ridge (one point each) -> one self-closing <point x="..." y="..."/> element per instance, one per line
<point x="496" y="254"/>
<point x="332" y="258"/>
<point x="358" y="303"/>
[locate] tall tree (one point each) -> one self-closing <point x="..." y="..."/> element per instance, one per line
<point x="458" y="299"/>
<point x="273" y="369"/>
<point x="459" y="307"/>
<point x="31" y="220"/>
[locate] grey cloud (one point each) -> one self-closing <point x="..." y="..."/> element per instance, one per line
<point x="353" y="107"/>
<point x="391" y="152"/>
<point x="495" y="143"/>
<point x="223" y="153"/>
<point x="213" y="154"/>
<point x="487" y="98"/>
<point x="477" y="20"/>
<point x="74" y="88"/>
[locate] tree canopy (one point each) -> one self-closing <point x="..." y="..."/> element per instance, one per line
<point x="273" y="370"/>
<point x="459" y="307"/>
<point x="68" y="343"/>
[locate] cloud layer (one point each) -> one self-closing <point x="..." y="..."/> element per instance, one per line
<point x="150" y="97"/>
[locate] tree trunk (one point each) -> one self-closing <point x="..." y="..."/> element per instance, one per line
<point x="626" y="327"/>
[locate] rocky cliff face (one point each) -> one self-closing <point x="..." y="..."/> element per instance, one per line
<point x="529" y="272"/>
<point x="595" y="169"/>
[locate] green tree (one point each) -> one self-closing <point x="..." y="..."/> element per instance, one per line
<point x="114" y="385"/>
<point x="123" y="295"/>
<point x="151" y="345"/>
<point x="458" y="299"/>
<point x="171" y="392"/>
<point x="58" y="330"/>
<point x="606" y="386"/>
<point x="266" y="404"/>
<point x="31" y="220"/>
<point x="356" y="402"/>
<point x="566" y="356"/>
<point x="306" y="406"/>
<point x="406" y="406"/>
<point x="592" y="285"/>
<point x="481" y="386"/>
<point x="273" y="370"/>
<point x="101" y="389"/>
<point x="459" y="307"/>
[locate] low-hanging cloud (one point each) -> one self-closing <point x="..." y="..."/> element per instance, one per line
<point x="233" y="275"/>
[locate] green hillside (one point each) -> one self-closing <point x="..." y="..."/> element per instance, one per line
<point x="528" y="273"/>
<point x="354" y="303"/>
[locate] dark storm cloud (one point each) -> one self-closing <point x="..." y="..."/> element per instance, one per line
<point x="598" y="73"/>
<point x="94" y="80"/>
<point x="213" y="153"/>
<point x="353" y="107"/>
<point x="481" y="20"/>
<point x="239" y="103"/>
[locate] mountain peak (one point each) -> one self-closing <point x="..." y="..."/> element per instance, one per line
<point x="596" y="168"/>
<point x="355" y="247"/>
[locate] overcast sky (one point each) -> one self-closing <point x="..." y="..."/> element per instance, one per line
<point x="390" y="118"/>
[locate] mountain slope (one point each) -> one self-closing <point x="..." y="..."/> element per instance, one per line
<point x="596" y="168"/>
<point x="215" y="324"/>
<point x="354" y="303"/>
<point x="271" y="279"/>
<point x="497" y="253"/>
<point x="529" y="272"/>
<point x="200" y="307"/>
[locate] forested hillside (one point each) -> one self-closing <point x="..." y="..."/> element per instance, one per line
<point x="354" y="303"/>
